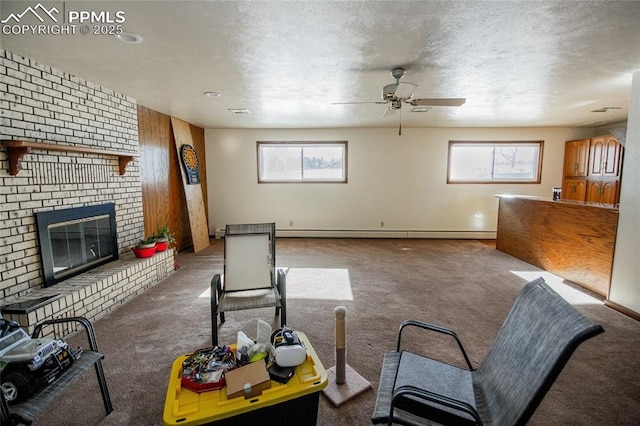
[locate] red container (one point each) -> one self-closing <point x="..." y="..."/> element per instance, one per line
<point x="142" y="253"/>
<point x="202" y="387"/>
<point x="162" y="246"/>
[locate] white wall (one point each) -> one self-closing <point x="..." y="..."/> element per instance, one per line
<point x="400" y="180"/>
<point x="625" y="278"/>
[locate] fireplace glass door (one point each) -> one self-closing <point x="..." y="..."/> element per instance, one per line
<point x="80" y="242"/>
<point x="75" y="240"/>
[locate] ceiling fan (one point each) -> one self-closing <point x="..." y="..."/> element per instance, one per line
<point x="397" y="93"/>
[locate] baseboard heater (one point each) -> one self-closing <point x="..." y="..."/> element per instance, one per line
<point x="355" y="233"/>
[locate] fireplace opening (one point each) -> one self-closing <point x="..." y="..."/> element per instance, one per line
<point x="76" y="240"/>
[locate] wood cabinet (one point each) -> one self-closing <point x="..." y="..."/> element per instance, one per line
<point x="604" y="156"/>
<point x="602" y="191"/>
<point x="574" y="189"/>
<point x="591" y="170"/>
<point x="576" y="157"/>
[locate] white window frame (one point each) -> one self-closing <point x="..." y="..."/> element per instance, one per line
<point x="263" y="178"/>
<point x="492" y="179"/>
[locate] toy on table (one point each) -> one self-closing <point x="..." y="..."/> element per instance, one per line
<point x="204" y="369"/>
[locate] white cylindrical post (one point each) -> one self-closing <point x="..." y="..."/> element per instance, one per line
<point x="341" y="344"/>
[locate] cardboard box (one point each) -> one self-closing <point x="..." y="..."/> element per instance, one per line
<point x="249" y="380"/>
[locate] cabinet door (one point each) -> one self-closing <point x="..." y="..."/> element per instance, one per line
<point x="574" y="189"/>
<point x="594" y="191"/>
<point x="609" y="192"/>
<point x="597" y="156"/>
<point x="576" y="157"/>
<point x="612" y="151"/>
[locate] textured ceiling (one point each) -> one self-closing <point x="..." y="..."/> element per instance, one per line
<point x="542" y="63"/>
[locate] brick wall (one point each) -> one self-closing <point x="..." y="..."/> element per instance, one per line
<point x="94" y="294"/>
<point x="42" y="104"/>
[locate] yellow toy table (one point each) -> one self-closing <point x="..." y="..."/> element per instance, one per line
<point x="295" y="402"/>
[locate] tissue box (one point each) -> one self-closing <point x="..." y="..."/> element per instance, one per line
<point x="248" y="381"/>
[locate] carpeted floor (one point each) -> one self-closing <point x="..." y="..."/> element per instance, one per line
<point x="466" y="285"/>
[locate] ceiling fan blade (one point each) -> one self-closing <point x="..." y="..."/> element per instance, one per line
<point x="404" y="90"/>
<point x="389" y="112"/>
<point x="354" y="103"/>
<point x="438" y="102"/>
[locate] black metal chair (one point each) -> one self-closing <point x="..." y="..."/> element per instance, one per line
<point x="536" y="340"/>
<point x="25" y="412"/>
<point x="250" y="279"/>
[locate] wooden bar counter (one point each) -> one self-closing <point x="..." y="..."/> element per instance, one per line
<point x="574" y="240"/>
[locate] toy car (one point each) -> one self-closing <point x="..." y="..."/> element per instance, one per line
<point x="27" y="364"/>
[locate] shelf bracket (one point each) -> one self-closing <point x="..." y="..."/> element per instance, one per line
<point x="15" y="158"/>
<point x="123" y="161"/>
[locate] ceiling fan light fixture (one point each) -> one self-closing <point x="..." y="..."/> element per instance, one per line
<point x="395" y="94"/>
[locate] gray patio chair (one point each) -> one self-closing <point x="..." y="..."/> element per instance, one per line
<point x="533" y="345"/>
<point x="250" y="279"/>
<point x="25" y="412"/>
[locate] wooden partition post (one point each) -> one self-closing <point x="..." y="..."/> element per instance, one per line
<point x="192" y="192"/>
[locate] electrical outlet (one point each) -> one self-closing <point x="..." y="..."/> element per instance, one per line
<point x="382" y="224"/>
<point x="290" y="223"/>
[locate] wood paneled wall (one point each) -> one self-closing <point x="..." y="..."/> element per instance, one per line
<point x="163" y="200"/>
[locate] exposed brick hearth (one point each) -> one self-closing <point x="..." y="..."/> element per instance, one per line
<point x="96" y="292"/>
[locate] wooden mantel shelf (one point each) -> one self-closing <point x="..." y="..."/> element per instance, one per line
<point x="17" y="149"/>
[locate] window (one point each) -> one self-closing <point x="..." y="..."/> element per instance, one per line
<point x="302" y="162"/>
<point x="494" y="162"/>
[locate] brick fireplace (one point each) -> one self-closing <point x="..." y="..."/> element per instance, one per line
<point x="48" y="106"/>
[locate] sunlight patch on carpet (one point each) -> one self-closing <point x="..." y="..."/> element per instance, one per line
<point x="313" y="284"/>
<point x="568" y="290"/>
<point x="319" y="284"/>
